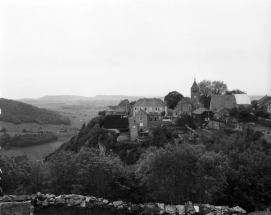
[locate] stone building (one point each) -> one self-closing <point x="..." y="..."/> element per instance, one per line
<point x="264" y="103"/>
<point x="138" y="124"/>
<point x="188" y="105"/>
<point x="150" y="106"/>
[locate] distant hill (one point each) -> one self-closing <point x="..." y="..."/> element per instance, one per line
<point x="77" y="98"/>
<point x="19" y="112"/>
<point x="64" y="98"/>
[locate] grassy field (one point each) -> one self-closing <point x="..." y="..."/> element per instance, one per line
<point x="78" y="112"/>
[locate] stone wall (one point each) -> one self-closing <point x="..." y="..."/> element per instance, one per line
<point x="49" y="204"/>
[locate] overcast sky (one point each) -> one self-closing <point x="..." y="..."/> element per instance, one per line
<point x="140" y="48"/>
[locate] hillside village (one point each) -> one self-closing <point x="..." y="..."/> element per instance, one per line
<point x="210" y="153"/>
<point x="134" y="121"/>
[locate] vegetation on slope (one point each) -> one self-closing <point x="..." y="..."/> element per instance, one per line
<point x="19" y="112"/>
<point x="231" y="170"/>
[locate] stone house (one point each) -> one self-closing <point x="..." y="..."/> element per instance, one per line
<point x="264" y="103"/>
<point x="155" y="106"/>
<point x="138" y="124"/>
<point x="221" y="114"/>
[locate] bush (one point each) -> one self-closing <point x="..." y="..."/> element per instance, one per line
<point x="265" y="122"/>
<point x="3" y="130"/>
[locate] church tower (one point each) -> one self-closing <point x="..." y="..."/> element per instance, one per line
<point x="195" y="91"/>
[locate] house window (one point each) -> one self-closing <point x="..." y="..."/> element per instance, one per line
<point x="154" y="118"/>
<point x="140" y="118"/>
<point x="141" y="124"/>
<point x="135" y="108"/>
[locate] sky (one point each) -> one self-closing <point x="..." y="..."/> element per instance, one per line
<point x="132" y="47"/>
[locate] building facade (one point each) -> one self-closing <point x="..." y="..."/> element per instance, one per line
<point x="150" y="106"/>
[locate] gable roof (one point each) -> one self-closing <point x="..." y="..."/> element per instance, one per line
<point x="149" y="103"/>
<point x="228" y="101"/>
<point x="225" y="101"/>
<point x="242" y="99"/>
<point x="201" y="110"/>
<point x="264" y="100"/>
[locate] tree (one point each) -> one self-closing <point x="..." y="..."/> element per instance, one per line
<point x="235" y="91"/>
<point x="172" y="99"/>
<point x="205" y="87"/>
<point x="219" y="87"/>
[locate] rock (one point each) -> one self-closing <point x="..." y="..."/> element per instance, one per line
<point x="162" y="208"/>
<point x="105" y="201"/>
<point x="117" y="203"/>
<point x="171" y="209"/>
<point x="88" y="199"/>
<point x="60" y="200"/>
<point x="239" y="209"/>
<point x="151" y="208"/>
<point x="45" y="202"/>
<point x="180" y="209"/>
<point x="83" y="204"/>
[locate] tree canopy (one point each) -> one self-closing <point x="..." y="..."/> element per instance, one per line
<point x="235" y="91"/>
<point x="172" y="99"/>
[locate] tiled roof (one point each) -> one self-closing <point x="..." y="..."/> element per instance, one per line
<point x="264" y="100"/>
<point x="242" y="99"/>
<point x="219" y="109"/>
<point x="201" y="110"/>
<point x="226" y="101"/>
<point x="149" y="103"/>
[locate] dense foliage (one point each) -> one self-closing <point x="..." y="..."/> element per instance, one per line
<point x="27" y="139"/>
<point x="172" y="99"/>
<point x="248" y="114"/>
<point x="19" y="112"/>
<point x="230" y="170"/>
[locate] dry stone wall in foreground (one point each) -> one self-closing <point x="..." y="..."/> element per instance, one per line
<point x="49" y="204"/>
